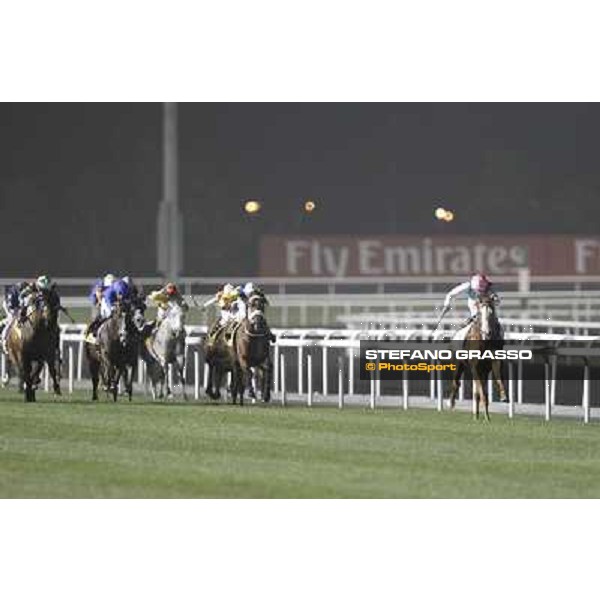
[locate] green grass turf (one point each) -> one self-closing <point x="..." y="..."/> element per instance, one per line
<point x="74" y="448"/>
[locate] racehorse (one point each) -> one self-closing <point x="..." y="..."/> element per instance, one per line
<point x="485" y="333"/>
<point x="220" y="357"/>
<point x="252" y="350"/>
<point x="31" y="343"/>
<point x="164" y="347"/>
<point x="238" y="348"/>
<point x="116" y="352"/>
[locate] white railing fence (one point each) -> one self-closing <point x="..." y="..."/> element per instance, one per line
<point x="322" y="363"/>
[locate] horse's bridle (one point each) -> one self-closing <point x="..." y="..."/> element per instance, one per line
<point x="247" y="321"/>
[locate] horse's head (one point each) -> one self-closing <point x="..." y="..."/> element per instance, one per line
<point x="486" y="316"/>
<point x="257" y="303"/>
<point x="257" y="323"/>
<point x="37" y="310"/>
<point x="120" y="315"/>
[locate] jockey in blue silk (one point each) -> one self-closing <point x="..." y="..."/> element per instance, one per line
<point x="105" y="294"/>
<point x="99" y="287"/>
<point x="120" y="290"/>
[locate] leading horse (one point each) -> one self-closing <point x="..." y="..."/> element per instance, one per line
<point x="485" y="333"/>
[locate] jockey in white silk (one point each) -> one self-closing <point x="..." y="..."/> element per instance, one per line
<point x="477" y="286"/>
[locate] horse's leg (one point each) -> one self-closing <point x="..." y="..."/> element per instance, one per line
<point x="28" y="383"/>
<point x="477" y="387"/>
<point x="36" y="371"/>
<point x="456" y="383"/>
<point x="267" y="380"/>
<point x="52" y="364"/>
<point x="218" y="381"/>
<point x="181" y="372"/>
<point x="250" y="383"/>
<point x="497" y="366"/>
<point x="129" y="374"/>
<point x="115" y="376"/>
<point x="486" y="401"/>
<point x="237" y="382"/>
<point x="167" y="379"/>
<point x="151" y="373"/>
<point x="94" y="373"/>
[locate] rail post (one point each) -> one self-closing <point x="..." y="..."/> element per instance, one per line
<point x="432" y="386"/>
<point x="405" y="390"/>
<point x="511" y="386"/>
<point x="520" y="382"/>
<point x="309" y="381"/>
<point x="340" y="382"/>
<point x="325" y="372"/>
<point x="372" y="398"/>
<point x="300" y="365"/>
<point x="196" y="374"/>
<point x="548" y="411"/>
<point x="440" y="391"/>
<point x="276" y="367"/>
<point x="283" y="380"/>
<point x="351" y="372"/>
<point x="80" y="360"/>
<point x="586" y="391"/>
<point x="71" y="365"/>
<point x="553" y="368"/>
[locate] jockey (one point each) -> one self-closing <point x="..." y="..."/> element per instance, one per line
<point x="95" y="298"/>
<point x="475" y="288"/>
<point x="98" y="289"/>
<point x="226" y="298"/>
<point x="165" y="297"/>
<point x="121" y="290"/>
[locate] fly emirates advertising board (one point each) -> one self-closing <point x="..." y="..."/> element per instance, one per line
<point x="390" y="256"/>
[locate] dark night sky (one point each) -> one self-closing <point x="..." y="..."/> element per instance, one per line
<point x="80" y="183"/>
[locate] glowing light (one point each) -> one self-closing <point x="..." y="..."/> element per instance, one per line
<point x="440" y="213"/>
<point x="309" y="206"/>
<point x="449" y="216"/>
<point x="252" y="206"/>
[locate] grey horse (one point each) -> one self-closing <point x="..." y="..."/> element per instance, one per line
<point x="166" y="346"/>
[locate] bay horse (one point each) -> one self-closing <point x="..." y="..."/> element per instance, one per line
<point x="219" y="355"/>
<point x="32" y="342"/>
<point x="164" y="347"/>
<point x="252" y="344"/>
<point x="485" y="333"/>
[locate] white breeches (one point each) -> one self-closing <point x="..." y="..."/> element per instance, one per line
<point x="105" y="310"/>
<point x="473" y="306"/>
<point x="226" y="316"/>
